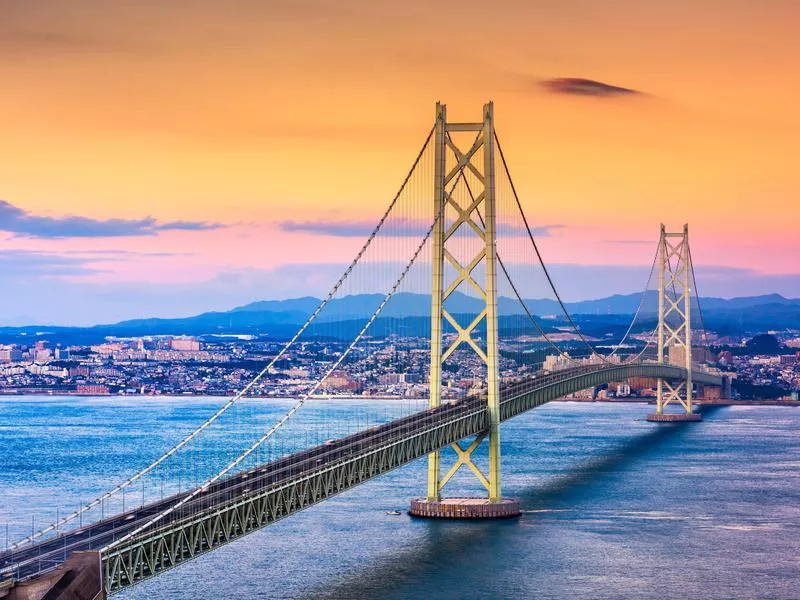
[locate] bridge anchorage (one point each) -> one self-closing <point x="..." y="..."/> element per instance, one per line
<point x="675" y="276"/>
<point x="475" y="215"/>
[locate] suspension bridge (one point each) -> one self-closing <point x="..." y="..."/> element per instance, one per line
<point x="457" y="232"/>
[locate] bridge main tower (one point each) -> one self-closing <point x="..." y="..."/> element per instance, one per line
<point x="472" y="215"/>
<point x="675" y="324"/>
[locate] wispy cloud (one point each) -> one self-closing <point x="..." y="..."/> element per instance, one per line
<point x="520" y="230"/>
<point x="26" y="264"/>
<point x="578" y="86"/>
<point x="108" y="254"/>
<point x="629" y="242"/>
<point x="404" y="228"/>
<point x="353" y="228"/>
<point x="187" y="226"/>
<point x="18" y="221"/>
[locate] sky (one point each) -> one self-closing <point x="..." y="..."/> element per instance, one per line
<point x="161" y="159"/>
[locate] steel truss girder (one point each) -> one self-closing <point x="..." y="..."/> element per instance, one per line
<point x="153" y="552"/>
<point x="173" y="544"/>
<point x="522" y="402"/>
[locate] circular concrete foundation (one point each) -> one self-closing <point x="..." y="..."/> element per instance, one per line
<point x="674" y="417"/>
<point x="464" y="508"/>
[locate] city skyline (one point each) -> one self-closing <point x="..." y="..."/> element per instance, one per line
<point x="153" y="153"/>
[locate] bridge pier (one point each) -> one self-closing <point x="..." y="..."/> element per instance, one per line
<point x="465" y="508"/>
<point x="674" y="417"/>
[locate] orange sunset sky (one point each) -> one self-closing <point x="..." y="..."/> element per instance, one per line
<point x="150" y="147"/>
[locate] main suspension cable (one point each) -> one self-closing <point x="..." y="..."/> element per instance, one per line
<point x="544" y="267"/>
<point x="696" y="292"/>
<point x="302" y="400"/>
<point x="641" y="303"/>
<point x="291" y="411"/>
<point x="533" y="319"/>
<point x="102" y="498"/>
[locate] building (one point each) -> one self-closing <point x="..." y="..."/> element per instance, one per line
<point x="555" y="362"/>
<point x="587" y="394"/>
<point x="107" y="349"/>
<point x="642" y="383"/>
<point x="297" y="373"/>
<point x="340" y="381"/>
<point x="725" y="358"/>
<point x="709" y="392"/>
<point x="700" y="354"/>
<point x="185" y="344"/>
<point x="92" y="390"/>
<point x="44" y="369"/>
<point x="42" y="354"/>
<point x="10" y="354"/>
<point x="106" y="372"/>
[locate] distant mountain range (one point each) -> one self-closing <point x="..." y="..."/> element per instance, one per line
<point x="419" y="304"/>
<point x="281" y="318"/>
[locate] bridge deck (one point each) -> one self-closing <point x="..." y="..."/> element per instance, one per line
<point x="250" y="500"/>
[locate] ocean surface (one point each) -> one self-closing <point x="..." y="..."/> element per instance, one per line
<point x="614" y="507"/>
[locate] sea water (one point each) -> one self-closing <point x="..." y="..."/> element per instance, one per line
<point x="614" y="506"/>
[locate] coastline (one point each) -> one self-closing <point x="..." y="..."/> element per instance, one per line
<point x="73" y="394"/>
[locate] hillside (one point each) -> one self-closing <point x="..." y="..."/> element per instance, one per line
<point x="281" y="318"/>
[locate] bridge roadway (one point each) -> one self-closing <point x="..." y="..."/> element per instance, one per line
<point x="230" y="502"/>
